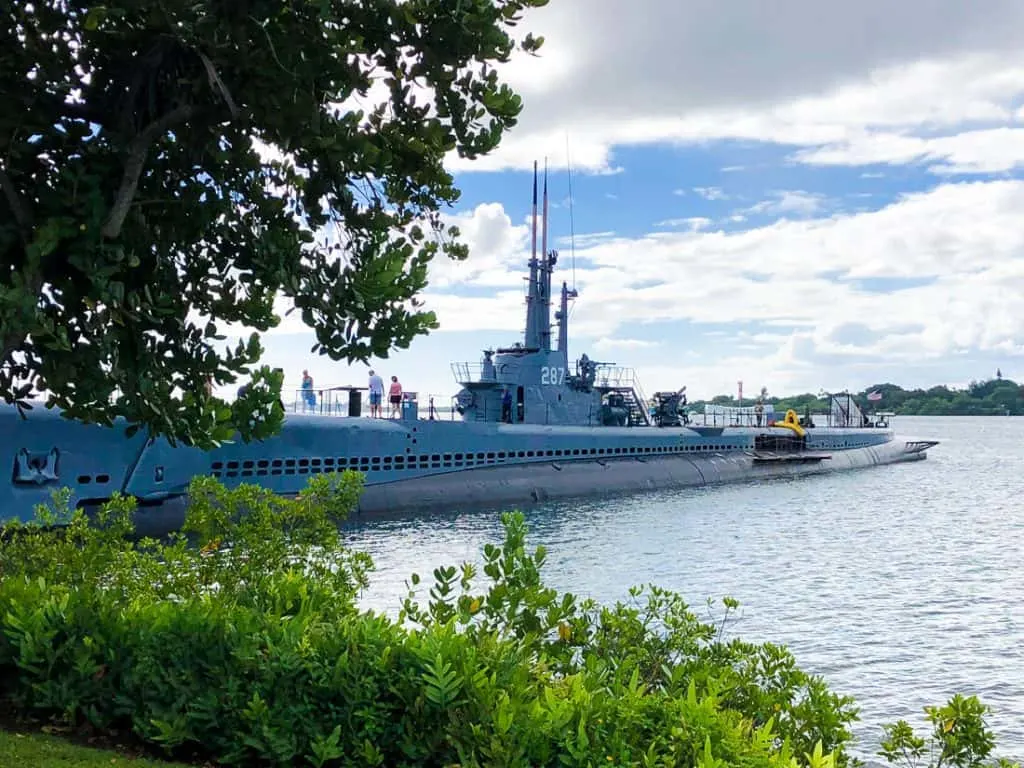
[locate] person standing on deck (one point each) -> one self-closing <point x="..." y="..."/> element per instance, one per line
<point x="376" y="395"/>
<point x="308" y="396"/>
<point x="506" y="405"/>
<point x="395" y="398"/>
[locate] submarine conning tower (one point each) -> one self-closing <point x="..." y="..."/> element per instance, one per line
<point x="531" y="382"/>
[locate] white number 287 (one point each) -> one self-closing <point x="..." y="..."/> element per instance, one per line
<point x="550" y="375"/>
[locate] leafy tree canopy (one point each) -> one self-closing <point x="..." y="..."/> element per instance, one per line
<point x="164" y="166"/>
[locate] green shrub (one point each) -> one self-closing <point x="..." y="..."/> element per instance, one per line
<point x="960" y="738"/>
<point x="242" y="638"/>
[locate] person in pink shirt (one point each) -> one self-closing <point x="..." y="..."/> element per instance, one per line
<point x="395" y="397"/>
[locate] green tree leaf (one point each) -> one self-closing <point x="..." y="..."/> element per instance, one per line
<point x="166" y="166"/>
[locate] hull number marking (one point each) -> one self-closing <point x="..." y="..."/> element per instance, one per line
<point x="552" y="376"/>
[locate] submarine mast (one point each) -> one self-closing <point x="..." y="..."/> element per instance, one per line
<point x="537" y="336"/>
<point x="547" y="266"/>
<point x="531" y="336"/>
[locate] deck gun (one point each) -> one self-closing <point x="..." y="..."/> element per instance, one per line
<point x="586" y="373"/>
<point x="670" y="409"/>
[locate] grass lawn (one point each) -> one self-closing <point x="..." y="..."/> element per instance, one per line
<point x="37" y="750"/>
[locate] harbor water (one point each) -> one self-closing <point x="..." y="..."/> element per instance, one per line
<point x="901" y="584"/>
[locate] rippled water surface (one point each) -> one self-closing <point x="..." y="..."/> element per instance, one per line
<point x="901" y="585"/>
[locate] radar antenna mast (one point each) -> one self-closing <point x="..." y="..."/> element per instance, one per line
<point x="572" y="223"/>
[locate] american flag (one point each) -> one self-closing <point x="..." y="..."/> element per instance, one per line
<point x="875" y="396"/>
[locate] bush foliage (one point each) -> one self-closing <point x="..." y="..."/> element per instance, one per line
<point x="242" y="638"/>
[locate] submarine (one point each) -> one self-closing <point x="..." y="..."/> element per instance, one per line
<point x="526" y="426"/>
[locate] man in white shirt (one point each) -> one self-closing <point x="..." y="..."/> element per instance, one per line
<point x="376" y="395"/>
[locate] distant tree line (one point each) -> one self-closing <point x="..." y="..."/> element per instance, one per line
<point x="995" y="397"/>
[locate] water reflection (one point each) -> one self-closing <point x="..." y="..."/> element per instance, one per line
<point x="900" y="584"/>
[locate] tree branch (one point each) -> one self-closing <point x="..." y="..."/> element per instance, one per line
<point x="22" y="217"/>
<point x="78" y="111"/>
<point x="12" y="340"/>
<point x="135" y="163"/>
<point x="15" y="335"/>
<point x="61" y="107"/>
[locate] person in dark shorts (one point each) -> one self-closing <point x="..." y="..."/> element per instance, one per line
<point x="395" y="398"/>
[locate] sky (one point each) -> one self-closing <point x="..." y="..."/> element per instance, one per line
<point x="797" y="195"/>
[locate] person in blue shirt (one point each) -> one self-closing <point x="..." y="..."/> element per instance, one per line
<point x="506" y="406"/>
<point x="308" y="396"/>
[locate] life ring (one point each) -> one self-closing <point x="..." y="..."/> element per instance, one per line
<point x="791" y="422"/>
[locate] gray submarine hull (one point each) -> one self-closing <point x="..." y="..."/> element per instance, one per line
<point x="523" y="485"/>
<point x="518" y="484"/>
<point x="526" y="426"/>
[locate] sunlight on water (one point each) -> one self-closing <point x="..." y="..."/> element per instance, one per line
<point x="900" y="584"/>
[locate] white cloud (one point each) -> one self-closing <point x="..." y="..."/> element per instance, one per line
<point x="940" y="82"/>
<point x="693" y="223"/>
<point x="779" y="279"/>
<point x="965" y="238"/>
<point x="789" y="201"/>
<point x="933" y="82"/>
<point x="501" y="312"/>
<point x="802" y="73"/>
<point x="993" y="150"/>
<point x="496" y="244"/>
<point x="711" y="193"/>
<point x="584" y="239"/>
<point x="606" y="344"/>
